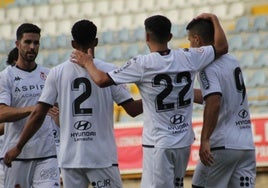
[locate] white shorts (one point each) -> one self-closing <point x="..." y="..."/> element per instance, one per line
<point x="231" y="169"/>
<point x="164" y="167"/>
<point x="97" y="177"/>
<point x="2" y="176"/>
<point x="33" y="174"/>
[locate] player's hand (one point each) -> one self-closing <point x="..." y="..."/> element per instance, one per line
<point x="11" y="155"/>
<point x="82" y="58"/>
<point x="208" y="16"/>
<point x="54" y="114"/>
<point x="205" y="154"/>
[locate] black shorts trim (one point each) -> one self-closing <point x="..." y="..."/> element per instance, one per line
<point x="147" y="146"/>
<point x="32" y="159"/>
<point x="218" y="148"/>
<point x="195" y="186"/>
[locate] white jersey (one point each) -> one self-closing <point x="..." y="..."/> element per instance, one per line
<point x="19" y="88"/>
<point x="86" y="115"/>
<point x="166" y="87"/>
<point x="233" y="128"/>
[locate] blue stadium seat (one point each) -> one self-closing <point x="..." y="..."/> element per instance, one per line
<point x="247" y="60"/>
<point x="258" y="79"/>
<point x="132" y="50"/>
<point x="262" y="60"/>
<point x="108" y="37"/>
<point x="123" y="35"/>
<point x="241" y="25"/>
<point x="235" y="42"/>
<point x="260" y="23"/>
<point x="47" y="42"/>
<point x="2" y="46"/>
<point x="52" y="59"/>
<point x="252" y="42"/>
<point x="23" y="2"/>
<point x="100" y="53"/>
<point x="116" y="53"/>
<point x="139" y="34"/>
<point x="62" y="41"/>
<point x="264" y="42"/>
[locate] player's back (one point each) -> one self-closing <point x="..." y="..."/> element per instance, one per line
<point x="86" y="116"/>
<point x="166" y="86"/>
<point x="234" y="120"/>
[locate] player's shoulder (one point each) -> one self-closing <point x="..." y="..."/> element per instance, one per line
<point x="104" y="66"/>
<point x="42" y="68"/>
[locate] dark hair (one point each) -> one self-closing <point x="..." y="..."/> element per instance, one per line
<point x="202" y="27"/>
<point x="12" y="56"/>
<point x="158" y="27"/>
<point x="27" y="28"/>
<point x="84" y="32"/>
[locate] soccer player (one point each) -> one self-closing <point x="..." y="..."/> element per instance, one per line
<point x="227" y="151"/>
<point x="20" y="88"/>
<point x="88" y="153"/>
<point x="165" y="79"/>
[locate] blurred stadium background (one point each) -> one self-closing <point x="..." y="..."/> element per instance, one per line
<point x="121" y="34"/>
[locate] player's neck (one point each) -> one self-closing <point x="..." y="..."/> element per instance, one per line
<point x="26" y="66"/>
<point x="159" y="48"/>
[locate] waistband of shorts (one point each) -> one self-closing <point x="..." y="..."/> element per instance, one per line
<point x="32" y="159"/>
<point x="218" y="148"/>
<point x="147" y="146"/>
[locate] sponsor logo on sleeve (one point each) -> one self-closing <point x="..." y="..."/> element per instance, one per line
<point x="204" y="79"/>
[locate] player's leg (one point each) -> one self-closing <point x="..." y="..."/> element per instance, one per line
<point x="245" y="172"/>
<point x="46" y="174"/>
<point x="219" y="174"/>
<point x="147" y="167"/>
<point x="104" y="177"/>
<point x="172" y="162"/>
<point x="72" y="177"/>
<point x="182" y="159"/>
<point x="19" y="173"/>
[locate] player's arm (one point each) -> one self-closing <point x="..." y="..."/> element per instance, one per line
<point x="2" y="129"/>
<point x="198" y="98"/>
<point x="133" y="107"/>
<point x="34" y="122"/>
<point x="102" y="79"/>
<point x="11" y="114"/>
<point x="211" y="113"/>
<point x="220" y="40"/>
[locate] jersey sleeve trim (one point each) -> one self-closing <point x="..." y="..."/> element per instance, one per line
<point x="214" y="51"/>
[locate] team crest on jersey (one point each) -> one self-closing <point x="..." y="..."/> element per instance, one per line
<point x="200" y="50"/>
<point x="204" y="79"/>
<point x="43" y="76"/>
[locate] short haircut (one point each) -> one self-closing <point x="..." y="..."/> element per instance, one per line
<point x="27" y="28"/>
<point x="12" y="56"/>
<point x="158" y="27"/>
<point x="202" y="27"/>
<point x="84" y="32"/>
